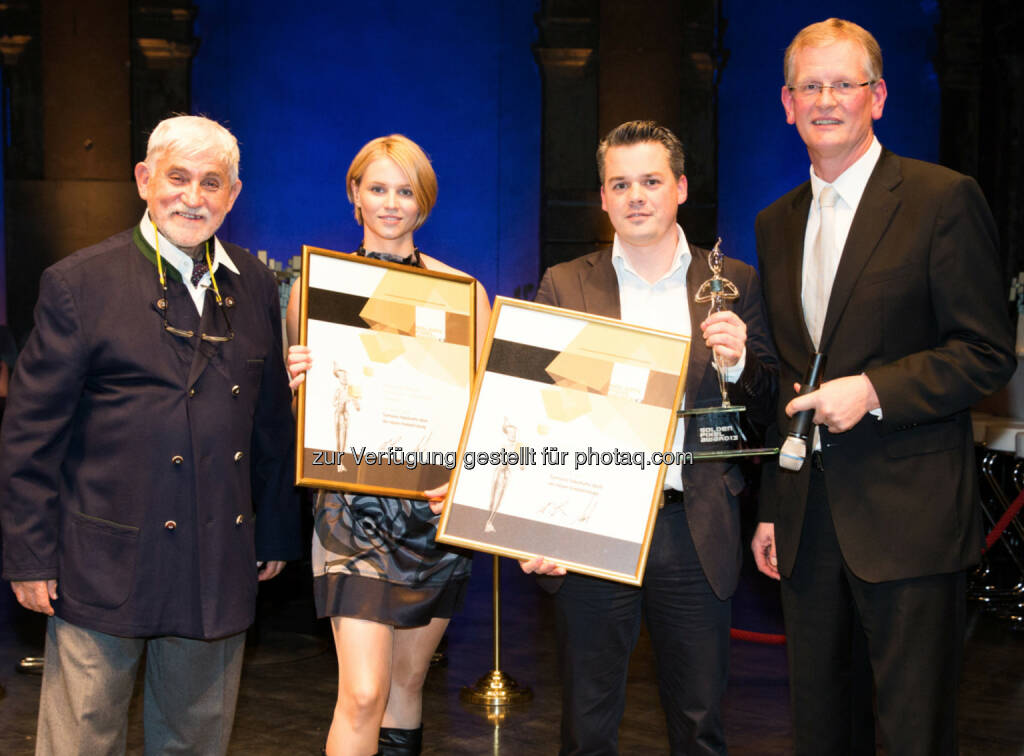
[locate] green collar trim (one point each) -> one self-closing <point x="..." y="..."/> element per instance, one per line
<point x="150" y="254"/>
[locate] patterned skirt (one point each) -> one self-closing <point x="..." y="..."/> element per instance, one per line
<point x="376" y="558"/>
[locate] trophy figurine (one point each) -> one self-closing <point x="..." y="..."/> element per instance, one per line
<point x="719" y="433"/>
<point x="717" y="291"/>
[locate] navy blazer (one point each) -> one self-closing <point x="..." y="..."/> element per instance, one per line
<point x="146" y="472"/>
<point x="589" y="284"/>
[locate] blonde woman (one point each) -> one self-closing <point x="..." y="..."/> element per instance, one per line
<point x="387" y="586"/>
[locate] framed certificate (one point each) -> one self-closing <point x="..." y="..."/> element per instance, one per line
<point x="564" y="449"/>
<point x="393" y="349"/>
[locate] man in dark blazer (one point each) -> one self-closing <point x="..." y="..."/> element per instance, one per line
<point x="145" y="461"/>
<point x="650" y="276"/>
<point x="888" y="266"/>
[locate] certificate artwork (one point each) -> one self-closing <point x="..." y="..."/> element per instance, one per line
<point x="384" y="401"/>
<point x="557" y="459"/>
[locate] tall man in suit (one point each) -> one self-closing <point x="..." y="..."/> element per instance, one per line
<point x="649" y="276"/>
<point x="889" y="267"/>
<point x="145" y="478"/>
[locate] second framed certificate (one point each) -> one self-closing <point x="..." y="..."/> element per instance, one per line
<point x="382" y="407"/>
<point x="564" y="447"/>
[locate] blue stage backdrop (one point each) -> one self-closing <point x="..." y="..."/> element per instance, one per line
<point x="760" y="156"/>
<point x="303" y="88"/>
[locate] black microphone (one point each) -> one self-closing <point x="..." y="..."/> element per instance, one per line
<point x="794" y="449"/>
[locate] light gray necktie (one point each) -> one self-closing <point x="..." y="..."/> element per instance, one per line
<point x="821" y="267"/>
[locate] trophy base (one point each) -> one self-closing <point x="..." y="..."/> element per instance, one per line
<point x="765" y="451"/>
<point x="719" y="434"/>
<point x="731" y="408"/>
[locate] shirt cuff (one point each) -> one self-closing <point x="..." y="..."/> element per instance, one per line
<point x="732" y="374"/>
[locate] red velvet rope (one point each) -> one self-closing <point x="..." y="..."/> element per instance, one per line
<point x="768" y="639"/>
<point x="1004" y="521"/>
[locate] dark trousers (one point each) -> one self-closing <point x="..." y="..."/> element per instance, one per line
<point x="598" y="623"/>
<point x="908" y="633"/>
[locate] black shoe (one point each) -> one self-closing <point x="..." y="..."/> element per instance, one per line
<point x="396" y="742"/>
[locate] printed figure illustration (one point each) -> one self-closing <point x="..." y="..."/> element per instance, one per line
<point x="345" y="402"/>
<point x="501" y="473"/>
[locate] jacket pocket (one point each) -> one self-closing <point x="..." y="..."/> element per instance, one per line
<point x="924" y="439"/>
<point x="98" y="560"/>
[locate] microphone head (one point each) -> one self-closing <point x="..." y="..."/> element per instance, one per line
<point x="793" y="453"/>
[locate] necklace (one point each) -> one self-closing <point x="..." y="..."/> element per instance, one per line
<point x="413" y="259"/>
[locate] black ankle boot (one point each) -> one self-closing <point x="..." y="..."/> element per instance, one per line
<point x="396" y="742"/>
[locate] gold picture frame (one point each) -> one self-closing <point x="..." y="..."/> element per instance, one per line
<point x="394" y="353"/>
<point x="556" y="384"/>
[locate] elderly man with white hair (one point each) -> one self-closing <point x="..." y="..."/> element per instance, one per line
<point x="145" y="454"/>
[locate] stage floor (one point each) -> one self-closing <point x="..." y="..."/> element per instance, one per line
<point x="288" y="686"/>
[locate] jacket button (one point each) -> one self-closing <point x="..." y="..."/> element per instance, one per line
<point x="239" y="520"/>
<point x="170" y="524"/>
<point x="177" y="459"/>
<point x="236" y="390"/>
<point x="238" y="456"/>
<point x="192" y="391"/>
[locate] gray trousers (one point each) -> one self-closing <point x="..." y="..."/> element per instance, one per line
<point x="191" y="687"/>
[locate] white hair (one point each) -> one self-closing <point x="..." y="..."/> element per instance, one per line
<point x="192" y="135"/>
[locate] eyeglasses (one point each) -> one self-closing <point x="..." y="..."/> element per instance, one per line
<point x="811" y="89"/>
<point x="163" y="303"/>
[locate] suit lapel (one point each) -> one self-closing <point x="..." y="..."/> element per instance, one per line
<point x="870" y="222"/>
<point x="793" y="251"/>
<point x="600" y="287"/>
<point x="700" y="355"/>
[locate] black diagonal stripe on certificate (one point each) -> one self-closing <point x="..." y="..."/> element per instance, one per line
<point x="521" y="360"/>
<point x="530" y="363"/>
<point x="336" y="307"/>
<point x="345" y="309"/>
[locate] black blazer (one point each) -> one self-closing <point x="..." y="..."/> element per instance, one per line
<point x="143" y="473"/>
<point x="589" y="284"/>
<point x="918" y="306"/>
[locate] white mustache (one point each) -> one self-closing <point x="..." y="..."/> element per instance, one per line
<point x="182" y="210"/>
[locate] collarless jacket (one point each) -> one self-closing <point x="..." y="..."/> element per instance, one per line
<point x="148" y="472"/>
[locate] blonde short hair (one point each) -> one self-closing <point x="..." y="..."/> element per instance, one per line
<point x="193" y="135"/>
<point x="833" y="30"/>
<point x="408" y="156"/>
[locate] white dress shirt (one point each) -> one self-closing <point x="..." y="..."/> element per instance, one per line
<point x="849" y="187"/>
<point x="665" y="305"/>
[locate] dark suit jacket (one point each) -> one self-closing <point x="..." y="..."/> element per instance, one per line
<point x="589" y="284"/>
<point x="918" y="306"/>
<point x="134" y="467"/>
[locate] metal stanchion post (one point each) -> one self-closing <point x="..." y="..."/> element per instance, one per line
<point x="496" y="690"/>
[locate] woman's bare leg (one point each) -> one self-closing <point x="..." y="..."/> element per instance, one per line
<point x="364" y="675"/>
<point x="413" y="649"/>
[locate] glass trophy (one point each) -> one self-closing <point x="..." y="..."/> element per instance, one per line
<point x="719" y="432"/>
